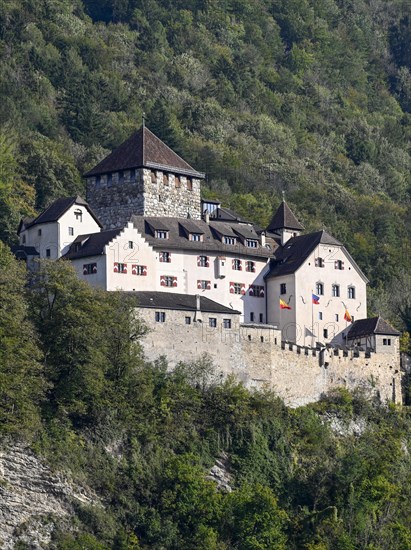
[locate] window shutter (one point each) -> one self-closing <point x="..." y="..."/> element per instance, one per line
<point x="169" y="256"/>
<point x="233" y="264"/>
<point x="84" y="270"/>
<point x="125" y="268"/>
<point x="231" y="288"/>
<point x="198" y="261"/>
<point x="144" y="270"/>
<point x="134" y="270"/>
<point x="207" y="261"/>
<point x="240" y="265"/>
<point x="95" y="268"/>
<point x="174" y="281"/>
<point x="336" y="264"/>
<point x="262" y="293"/>
<point x="342" y="265"/>
<point x="243" y="288"/>
<point x="161" y="257"/>
<point x="162" y="280"/>
<point x="199" y="284"/>
<point x="251" y="290"/>
<point x="208" y="285"/>
<point x="115" y="267"/>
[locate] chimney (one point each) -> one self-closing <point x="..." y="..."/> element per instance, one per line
<point x="197" y="316"/>
<point x="262" y="239"/>
<point x="206" y="216"/>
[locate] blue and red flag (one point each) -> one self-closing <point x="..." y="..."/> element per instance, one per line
<point x="316" y="299"/>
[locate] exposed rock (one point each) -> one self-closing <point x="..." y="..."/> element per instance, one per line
<point x="33" y="499"/>
<point x="220" y="473"/>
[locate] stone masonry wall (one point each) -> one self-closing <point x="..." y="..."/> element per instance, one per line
<point x="255" y="355"/>
<point x="149" y="195"/>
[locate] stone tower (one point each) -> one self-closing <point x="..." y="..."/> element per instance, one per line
<point x="143" y="176"/>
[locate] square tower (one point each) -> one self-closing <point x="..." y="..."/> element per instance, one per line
<point x="143" y="176"/>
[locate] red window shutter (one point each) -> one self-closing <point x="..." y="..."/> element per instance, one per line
<point x="174" y="281"/>
<point x="169" y="256"/>
<point x="162" y="280"/>
<point x="342" y="265"/>
<point x="161" y="257"/>
<point x="253" y="267"/>
<point x="207" y="261"/>
<point x="208" y="285"/>
<point x="95" y="268"/>
<point x="115" y="267"/>
<point x="125" y="268"/>
<point x="262" y="293"/>
<point x="233" y="264"/>
<point x="240" y="265"/>
<point x="134" y="270"/>
<point x="198" y="284"/>
<point x="198" y="261"/>
<point x="231" y="288"/>
<point x="144" y="270"/>
<point x="243" y="288"/>
<point x="251" y="291"/>
<point x="84" y="270"/>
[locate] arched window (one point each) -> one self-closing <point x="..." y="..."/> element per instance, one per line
<point x="351" y="292"/>
<point x="319" y="288"/>
<point x="336" y="291"/>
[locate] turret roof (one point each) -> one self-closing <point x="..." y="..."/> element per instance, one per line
<point x="143" y="149"/>
<point x="284" y="219"/>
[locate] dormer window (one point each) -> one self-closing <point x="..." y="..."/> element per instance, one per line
<point x="196" y="237"/>
<point x="79" y="215"/>
<point x="251" y="243"/>
<point x="161" y="234"/>
<point x="229" y="240"/>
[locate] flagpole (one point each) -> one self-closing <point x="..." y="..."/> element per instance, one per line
<point x="281" y="330"/>
<point x="312" y="319"/>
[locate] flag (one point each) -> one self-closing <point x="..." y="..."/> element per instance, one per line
<point x="284" y="305"/>
<point x="347" y="316"/>
<point x="316" y="299"/>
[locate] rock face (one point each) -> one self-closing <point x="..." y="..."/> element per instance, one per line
<point x="33" y="499"/>
<point x="220" y="473"/>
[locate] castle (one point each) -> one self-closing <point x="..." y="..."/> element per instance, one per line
<point x="273" y="306"/>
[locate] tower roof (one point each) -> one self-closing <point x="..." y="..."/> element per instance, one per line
<point x="284" y="219"/>
<point x="143" y="149"/>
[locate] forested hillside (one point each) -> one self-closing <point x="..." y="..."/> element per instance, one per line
<point x="308" y="96"/>
<point x="331" y="476"/>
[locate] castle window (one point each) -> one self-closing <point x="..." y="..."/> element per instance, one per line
<point x="79" y="215"/>
<point x="338" y="264"/>
<point x="71" y="231"/>
<point x="165" y="257"/>
<point x="319" y="288"/>
<point x="188" y="320"/>
<point x="177" y="182"/>
<point x="121" y="268"/>
<point x="189" y="184"/>
<point x="196" y="237"/>
<point x="138" y="269"/>
<point x="337" y="317"/>
<point x="121" y="177"/>
<point x="237" y="288"/>
<point x="229" y="240"/>
<point x="251" y="243"/>
<point x="165" y="179"/>
<point x="351" y="292"/>
<point x="132" y="176"/>
<point x="109" y="180"/>
<point x="226" y="323"/>
<point x="320" y="315"/>
<point x="153" y="177"/>
<point x="237" y="266"/>
<point x="203" y="285"/>
<point x="167" y="280"/>
<point x="283" y="288"/>
<point x="335" y="289"/>
<point x="319" y="262"/>
<point x="250" y="267"/>
<point x="261" y="318"/>
<point x="257" y="291"/>
<point x="202" y="261"/>
<point x="39" y="232"/>
<point x="89" y="269"/>
<point x="160" y="316"/>
<point x="130" y="244"/>
<point x="161" y="234"/>
<point x="48" y="253"/>
<point x="24" y="239"/>
<point x="212" y="322"/>
<point x="386" y="341"/>
<point x="325" y="333"/>
<point x="252" y="316"/>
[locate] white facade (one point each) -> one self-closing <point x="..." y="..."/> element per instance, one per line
<point x="339" y="284"/>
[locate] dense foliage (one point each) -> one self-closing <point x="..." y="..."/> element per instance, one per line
<point x="309" y="96"/>
<point x="334" y="475"/>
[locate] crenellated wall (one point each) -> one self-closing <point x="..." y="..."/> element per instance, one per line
<point x="255" y="354"/>
<point x="143" y="192"/>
